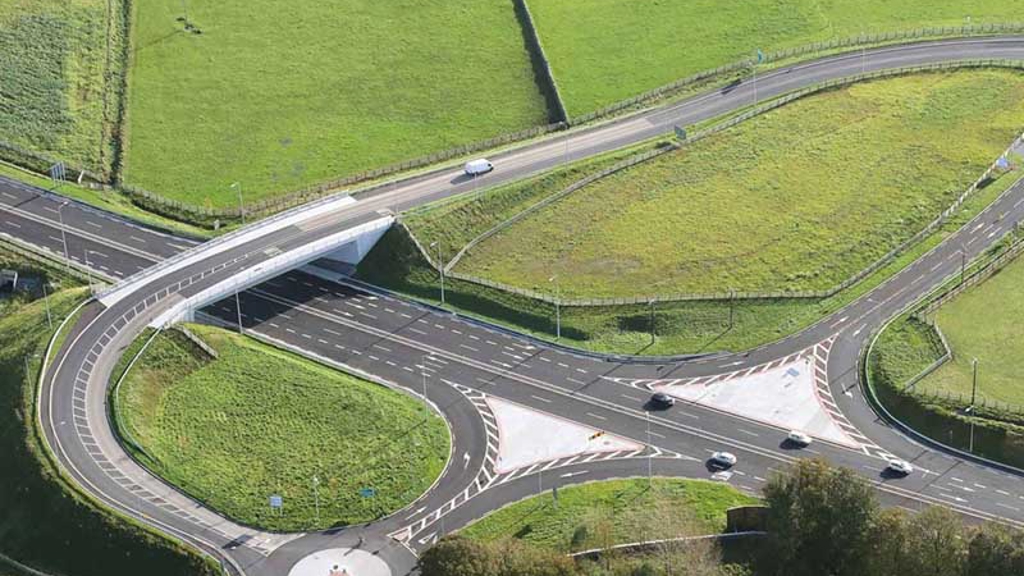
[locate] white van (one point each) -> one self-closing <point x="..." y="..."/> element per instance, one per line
<point x="478" y="167"/>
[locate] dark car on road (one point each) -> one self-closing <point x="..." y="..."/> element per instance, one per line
<point x="662" y="400"/>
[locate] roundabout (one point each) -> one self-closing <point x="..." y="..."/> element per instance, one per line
<point x="487" y="380"/>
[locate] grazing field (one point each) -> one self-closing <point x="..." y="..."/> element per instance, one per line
<point x="46" y="524"/>
<point x="984" y="323"/>
<point x="630" y="509"/>
<point x="278" y="95"/>
<point x="603" y="51"/>
<point x="800" y="198"/>
<point x="257" y="421"/>
<point x="53" y="78"/>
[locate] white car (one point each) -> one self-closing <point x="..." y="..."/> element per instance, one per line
<point x="900" y="466"/>
<point x="799" y="438"/>
<point x="478" y="167"/>
<point x="724" y="459"/>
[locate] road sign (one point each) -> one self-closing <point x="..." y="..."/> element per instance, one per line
<point x="276" y="501"/>
<point x="1003" y="163"/>
<point x="760" y="56"/>
<point x="680" y="132"/>
<point x="367" y="492"/>
<point x="58" y="172"/>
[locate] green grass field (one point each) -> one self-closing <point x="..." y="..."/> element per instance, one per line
<point x="983" y="323"/>
<point x="801" y="198"/>
<point x="54" y="70"/>
<point x="278" y="95"/>
<point x="603" y="51"/>
<point x="258" y="421"/>
<point x="44" y="523"/>
<point x="669" y="508"/>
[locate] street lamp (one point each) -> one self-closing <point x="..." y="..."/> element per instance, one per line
<point x="63" y="234"/>
<point x="558" y="307"/>
<point x="242" y="207"/>
<point x="440" y="266"/>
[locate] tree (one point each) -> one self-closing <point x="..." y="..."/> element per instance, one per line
<point x="887" y="541"/>
<point x="936" y="543"/>
<point x="818" y="521"/>
<point x="458" y="556"/>
<point x="995" y="550"/>
<point x="515" y="558"/>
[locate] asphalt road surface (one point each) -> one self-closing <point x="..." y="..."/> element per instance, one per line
<point x="463" y="361"/>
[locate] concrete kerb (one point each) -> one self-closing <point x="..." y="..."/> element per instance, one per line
<point x="489" y="325"/>
<point x="883" y="412"/>
<point x="334" y="364"/>
<point x="206" y="549"/>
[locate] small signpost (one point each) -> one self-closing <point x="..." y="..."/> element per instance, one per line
<point x="277" y="503"/>
<point x="367" y="492"/>
<point x="58" y="173"/>
<point x="681" y="133"/>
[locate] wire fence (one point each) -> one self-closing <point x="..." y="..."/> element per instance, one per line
<point x="212" y="217"/>
<point x="804" y="50"/>
<point x="880" y="263"/>
<point x="983" y="406"/>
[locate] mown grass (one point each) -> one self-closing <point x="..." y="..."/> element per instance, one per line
<point x="983" y="323"/>
<point x="44" y="523"/>
<point x="278" y="95"/>
<point x="258" y="421"/>
<point x="799" y="199"/>
<point x="603" y="51"/>
<point x="55" y="77"/>
<point x="631" y="509"/>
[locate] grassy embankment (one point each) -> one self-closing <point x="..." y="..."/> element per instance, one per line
<point x="56" y="76"/>
<point x="980" y="323"/>
<point x="932" y="104"/>
<point x="258" y="421"/>
<point x="628" y="509"/>
<point x="278" y="95"/>
<point x="603" y="51"/>
<point x="45" y="524"/>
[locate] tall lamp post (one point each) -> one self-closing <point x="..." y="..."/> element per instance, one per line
<point x="558" y="307"/>
<point x="440" y="266"/>
<point x="241" y="205"/>
<point x="63" y="235"/>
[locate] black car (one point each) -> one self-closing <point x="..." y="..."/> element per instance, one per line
<point x="662" y="400"/>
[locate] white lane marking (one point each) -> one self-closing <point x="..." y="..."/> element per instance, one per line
<point x="468" y="347"/>
<point x="545" y="400"/>
<point x="12" y="224"/>
<point x="592" y="415"/>
<point x="137" y="239"/>
<point x="742" y="431"/>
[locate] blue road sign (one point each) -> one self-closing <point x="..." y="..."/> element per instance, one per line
<point x="276" y="501"/>
<point x="680" y="132"/>
<point x="760" y="56"/>
<point x="367" y="492"/>
<point x="1003" y="163"/>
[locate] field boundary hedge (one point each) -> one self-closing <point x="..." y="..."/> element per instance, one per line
<point x="540" y="59"/>
<point x="733" y="295"/>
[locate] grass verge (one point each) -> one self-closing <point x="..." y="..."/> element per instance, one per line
<point x="281" y="95"/>
<point x="258" y="421"/>
<point x="603" y="51"/>
<point x="46" y="524"/>
<point x="617" y="511"/>
<point x="109" y="200"/>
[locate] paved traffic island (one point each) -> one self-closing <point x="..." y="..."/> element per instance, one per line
<point x="271" y="439"/>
